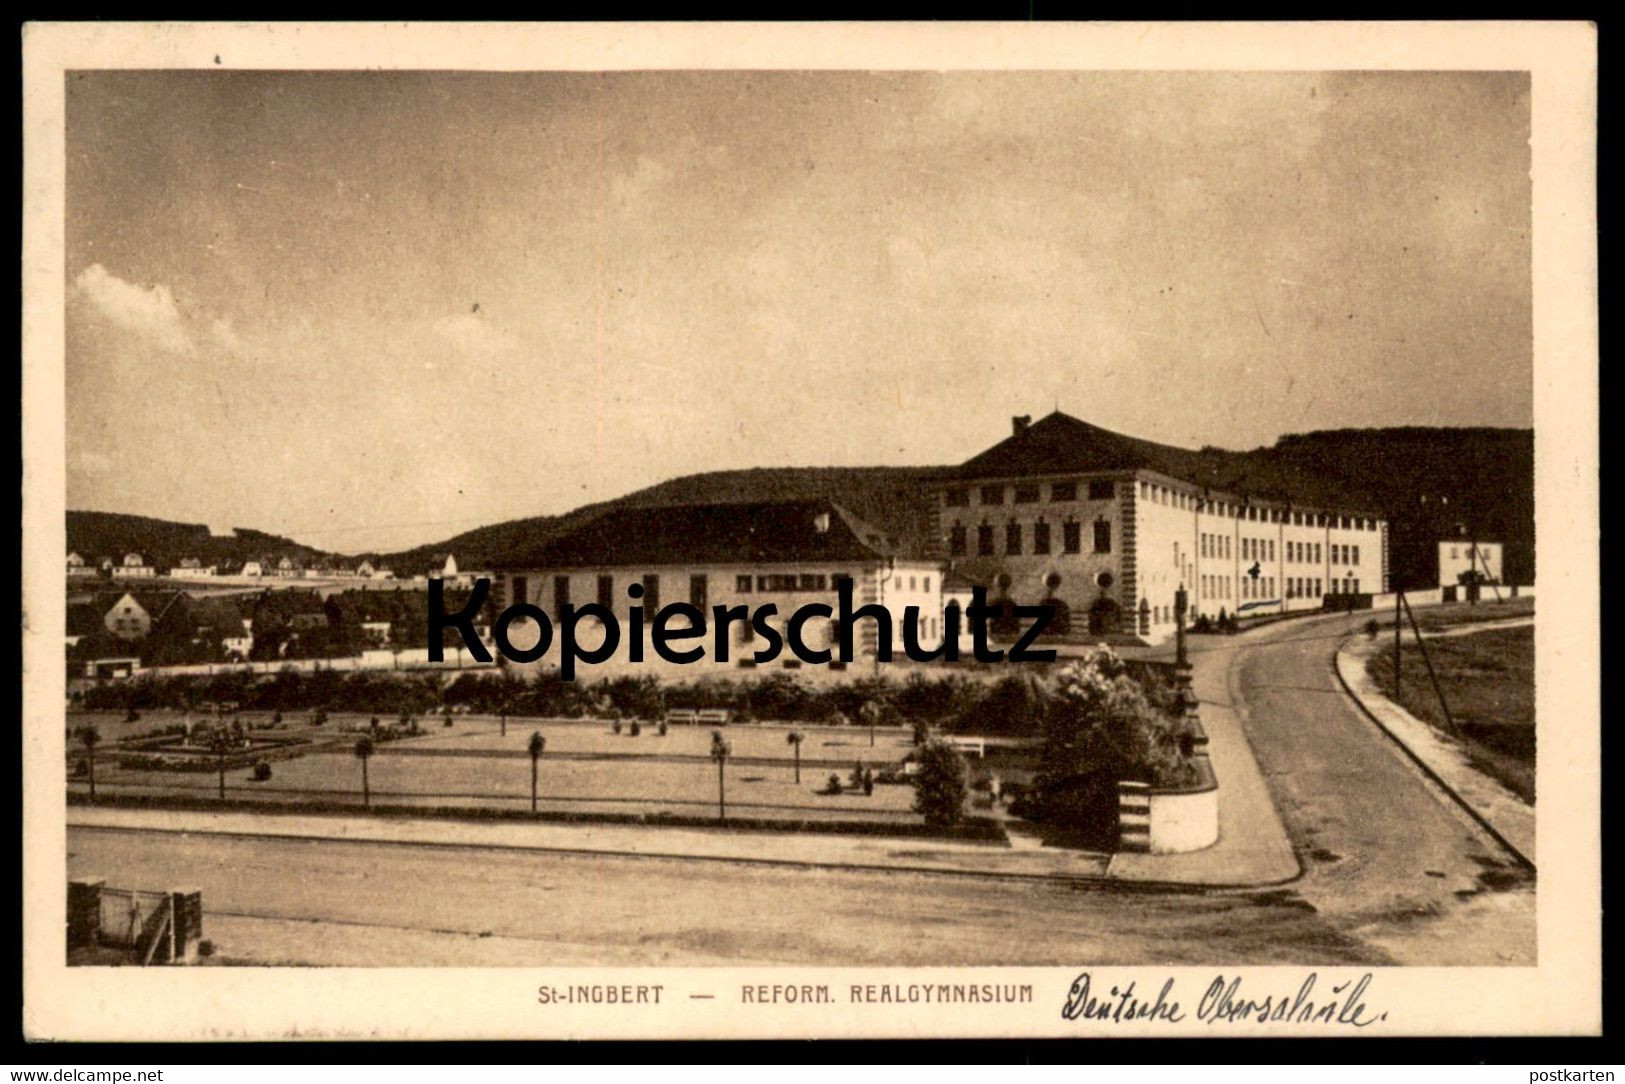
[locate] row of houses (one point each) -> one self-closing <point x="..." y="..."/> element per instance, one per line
<point x="135" y="566"/>
<point x="171" y="627"/>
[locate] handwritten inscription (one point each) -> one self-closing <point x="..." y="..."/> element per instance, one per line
<point x="1224" y="1001"/>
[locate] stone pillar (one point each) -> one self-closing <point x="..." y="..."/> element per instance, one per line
<point x="188" y="904"/>
<point x="85" y="912"/>
<point x="1134" y="817"/>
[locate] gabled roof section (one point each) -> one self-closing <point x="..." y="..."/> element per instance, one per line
<point x="765" y="532"/>
<point x="1062" y="444"/>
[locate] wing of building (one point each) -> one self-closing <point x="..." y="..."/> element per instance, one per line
<point x="784" y="553"/>
<point x="1107" y="528"/>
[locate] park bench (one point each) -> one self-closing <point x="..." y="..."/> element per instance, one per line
<point x="684" y="716"/>
<point x="969" y="745"/>
<point x="715" y="717"/>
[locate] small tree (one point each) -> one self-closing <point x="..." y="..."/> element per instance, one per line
<point x="794" y="739"/>
<point x="89" y="737"/>
<point x="364" y="749"/>
<point x="721" y="750"/>
<point x="870" y="713"/>
<point x="940" y="784"/>
<point x="536" y="747"/>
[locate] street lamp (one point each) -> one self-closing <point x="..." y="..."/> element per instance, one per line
<point x="721" y="750"/>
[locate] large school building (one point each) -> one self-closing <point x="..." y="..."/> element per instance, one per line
<point x="1107" y="528"/>
<point x="1103" y="528"/>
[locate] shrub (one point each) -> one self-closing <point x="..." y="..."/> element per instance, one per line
<point x="615" y="725"/>
<point x="833" y="784"/>
<point x="205" y="948"/>
<point x="940" y="785"/>
<point x="635" y="729"/>
<point x="661" y="728"/>
<point x="132" y="716"/>
<point x="447" y="722"/>
<point x="262" y="771"/>
<point x="1013" y="706"/>
<point x="1102" y="729"/>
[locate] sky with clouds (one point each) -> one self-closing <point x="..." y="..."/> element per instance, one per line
<point x="370" y="310"/>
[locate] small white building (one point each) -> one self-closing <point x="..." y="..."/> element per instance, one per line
<point x="192" y="568"/>
<point x="78" y="566"/>
<point x="1463" y="561"/>
<point x="134" y="567"/>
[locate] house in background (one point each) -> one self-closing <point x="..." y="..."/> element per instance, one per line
<point x="134" y="567"/>
<point x="78" y="566"/>
<point x="255" y="567"/>
<point x="289" y="569"/>
<point x="1469" y="563"/>
<point x="192" y="568"/>
<point x="127" y="618"/>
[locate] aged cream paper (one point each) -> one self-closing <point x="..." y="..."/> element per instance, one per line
<point x="872" y="997"/>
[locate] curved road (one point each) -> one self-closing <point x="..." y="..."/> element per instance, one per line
<point x="1387" y="856"/>
<point x="1393" y="874"/>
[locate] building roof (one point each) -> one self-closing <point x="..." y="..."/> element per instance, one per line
<point x="762" y="532"/>
<point x="1062" y="444"/>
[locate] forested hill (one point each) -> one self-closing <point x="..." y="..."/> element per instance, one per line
<point x="1429" y="483"/>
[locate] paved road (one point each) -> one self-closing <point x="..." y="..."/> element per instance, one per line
<point x="332" y="902"/>
<point x="1394" y="874"/>
<point x="1387" y="857"/>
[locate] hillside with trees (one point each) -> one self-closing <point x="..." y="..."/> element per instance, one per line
<point x="94" y="535"/>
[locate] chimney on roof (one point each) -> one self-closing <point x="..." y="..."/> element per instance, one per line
<point x="821" y="523"/>
<point x="1019" y="424"/>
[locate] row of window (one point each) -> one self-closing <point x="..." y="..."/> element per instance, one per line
<point x="1302" y="587"/>
<point x="1029" y="493"/>
<point x="1165" y="495"/>
<point x="1015" y="538"/>
<point x="1215" y="545"/>
<point x="699" y="587"/>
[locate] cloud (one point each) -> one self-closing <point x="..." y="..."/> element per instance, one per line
<point x="149" y="311"/>
<point x="474" y="335"/>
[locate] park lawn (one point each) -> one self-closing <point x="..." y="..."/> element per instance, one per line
<point x="595" y="737"/>
<point x="1488" y="679"/>
<point x="636" y="785"/>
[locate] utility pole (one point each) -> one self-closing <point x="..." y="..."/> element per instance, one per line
<point x="1399" y="598"/>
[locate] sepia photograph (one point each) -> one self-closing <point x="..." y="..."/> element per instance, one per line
<point x="1015" y="522"/>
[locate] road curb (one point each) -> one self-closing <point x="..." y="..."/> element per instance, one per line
<point x="1101" y="881"/>
<point x="1419" y="760"/>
